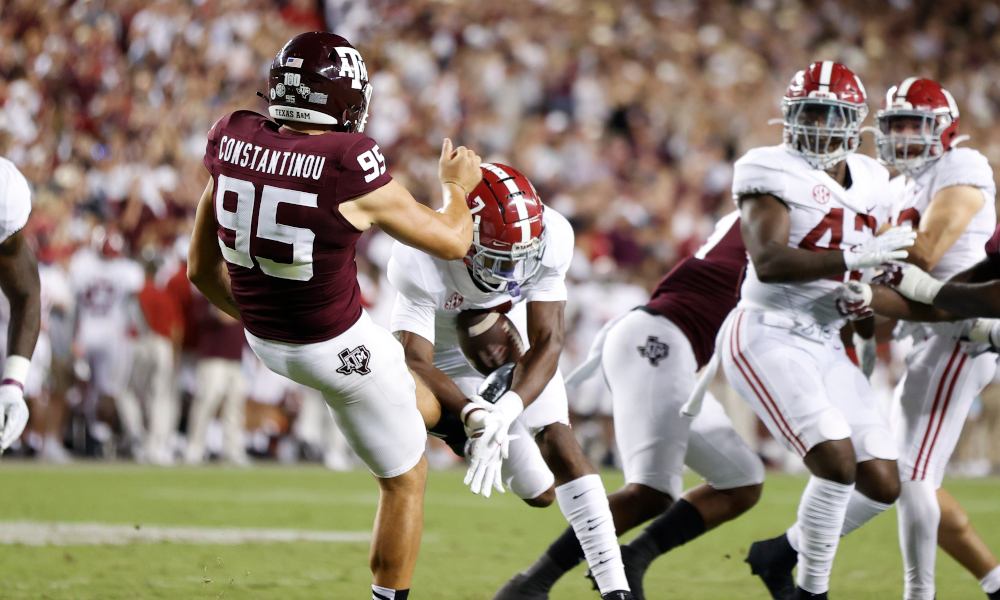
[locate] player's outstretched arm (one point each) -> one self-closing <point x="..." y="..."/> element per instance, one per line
<point x="19" y="282"/>
<point x="206" y="268"/>
<point x="447" y="234"/>
<point x="420" y="359"/>
<point x="546" y="324"/>
<point x="765" y="226"/>
<point x="945" y="220"/>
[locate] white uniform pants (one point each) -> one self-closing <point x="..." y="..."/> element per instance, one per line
<point x="362" y="374"/>
<point x="220" y="381"/>
<point x="803" y="386"/>
<point x="151" y="379"/>
<point x="932" y="402"/>
<point x="650" y="367"/>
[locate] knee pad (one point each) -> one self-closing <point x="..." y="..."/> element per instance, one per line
<point x="877" y="443"/>
<point x="832" y="425"/>
<point x="531" y="483"/>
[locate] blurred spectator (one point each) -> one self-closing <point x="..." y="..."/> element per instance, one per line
<point x="220" y="382"/>
<point x="152" y="377"/>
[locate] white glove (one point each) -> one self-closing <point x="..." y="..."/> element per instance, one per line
<point x="853" y="300"/>
<point x="867" y="351"/>
<point x="13" y="414"/>
<point x="985" y="331"/>
<point x="485" y="460"/>
<point x="880" y="249"/>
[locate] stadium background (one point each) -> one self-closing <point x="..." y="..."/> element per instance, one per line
<point x="626" y="116"/>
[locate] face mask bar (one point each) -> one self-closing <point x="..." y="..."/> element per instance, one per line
<point x="910" y="153"/>
<point x="502" y="272"/>
<point x="823" y="130"/>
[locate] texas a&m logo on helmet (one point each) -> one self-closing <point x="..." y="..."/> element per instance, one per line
<point x="917" y="124"/>
<point x="319" y="77"/>
<point x="823" y="108"/>
<point x="507" y="242"/>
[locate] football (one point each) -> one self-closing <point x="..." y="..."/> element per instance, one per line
<point x="488" y="339"/>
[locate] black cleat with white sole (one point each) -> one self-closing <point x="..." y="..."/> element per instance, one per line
<point x="994" y="596"/>
<point x="618" y="595"/>
<point x="773" y="560"/>
<point x="521" y="587"/>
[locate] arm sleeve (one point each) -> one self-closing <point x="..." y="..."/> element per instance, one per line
<point x="362" y="170"/>
<point x="15" y="203"/>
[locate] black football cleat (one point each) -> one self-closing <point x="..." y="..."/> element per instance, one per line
<point x="773" y="560"/>
<point x="994" y="596"/>
<point x="801" y="594"/>
<point x="636" y="565"/>
<point x="521" y="587"/>
<point x="618" y="595"/>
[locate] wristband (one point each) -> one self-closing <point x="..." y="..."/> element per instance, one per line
<point x="919" y="286"/>
<point x="467" y="409"/>
<point x="510" y="405"/>
<point x="15" y="371"/>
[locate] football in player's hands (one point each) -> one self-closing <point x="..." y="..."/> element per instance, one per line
<point x="488" y="339"/>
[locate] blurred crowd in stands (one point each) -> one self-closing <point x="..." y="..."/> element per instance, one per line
<point x="626" y="116"/>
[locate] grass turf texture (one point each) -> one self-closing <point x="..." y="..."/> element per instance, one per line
<point x="471" y="545"/>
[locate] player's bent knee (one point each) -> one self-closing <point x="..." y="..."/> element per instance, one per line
<point x="742" y="499"/>
<point x="879" y="480"/>
<point x="833" y="460"/>
<point x="543" y="500"/>
<point x="646" y="501"/>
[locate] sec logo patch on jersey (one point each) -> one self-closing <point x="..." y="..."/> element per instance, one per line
<point x="821" y="194"/>
<point x="454" y="301"/>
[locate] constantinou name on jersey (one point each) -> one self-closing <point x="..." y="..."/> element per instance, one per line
<point x="823" y="216"/>
<point x="431" y="291"/>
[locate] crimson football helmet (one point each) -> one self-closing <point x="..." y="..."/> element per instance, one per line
<point x="507" y="238"/>
<point x="916" y="125"/>
<point x="319" y="77"/>
<point x="823" y="109"/>
<point x="107" y="243"/>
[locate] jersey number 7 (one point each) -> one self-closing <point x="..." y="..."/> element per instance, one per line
<point x="268" y="228"/>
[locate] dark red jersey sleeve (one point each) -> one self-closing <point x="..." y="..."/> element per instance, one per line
<point x="212" y="148"/>
<point x="362" y="169"/>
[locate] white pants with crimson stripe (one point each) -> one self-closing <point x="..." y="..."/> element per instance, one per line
<point x="932" y="402"/>
<point x="803" y="386"/>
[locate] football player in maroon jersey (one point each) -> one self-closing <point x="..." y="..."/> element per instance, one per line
<point x="274" y="245"/>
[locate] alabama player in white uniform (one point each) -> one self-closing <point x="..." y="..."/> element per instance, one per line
<point x="19" y="282"/>
<point x="517" y="264"/>
<point x="810" y="209"/>
<point x="105" y="282"/>
<point x="948" y="195"/>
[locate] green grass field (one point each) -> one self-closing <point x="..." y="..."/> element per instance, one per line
<point x="471" y="545"/>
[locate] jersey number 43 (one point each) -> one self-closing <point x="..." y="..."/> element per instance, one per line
<point x="268" y="228"/>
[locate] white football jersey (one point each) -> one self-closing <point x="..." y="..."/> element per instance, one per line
<point x="431" y="292"/>
<point x="15" y="200"/>
<point x="102" y="287"/>
<point x="824" y="216"/>
<point x="959" y="166"/>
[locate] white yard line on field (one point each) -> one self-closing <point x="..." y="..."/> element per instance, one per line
<point x="76" y="534"/>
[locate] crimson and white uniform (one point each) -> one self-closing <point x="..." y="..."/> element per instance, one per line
<point x="15" y="206"/>
<point x="943" y="374"/>
<point x="650" y="357"/>
<point x="431" y="294"/>
<point x="781" y="349"/>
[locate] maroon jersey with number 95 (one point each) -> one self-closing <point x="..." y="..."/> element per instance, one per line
<point x="289" y="251"/>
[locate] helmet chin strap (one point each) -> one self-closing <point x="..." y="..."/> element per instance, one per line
<point x="513" y="289"/>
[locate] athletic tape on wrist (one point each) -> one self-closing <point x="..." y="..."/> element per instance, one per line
<point x="466" y="410"/>
<point x="15" y="371"/>
<point x="510" y="402"/>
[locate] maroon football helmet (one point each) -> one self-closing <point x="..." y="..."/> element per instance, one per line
<point x="917" y="124"/>
<point x="319" y="77"/>
<point x="824" y="107"/>
<point x="507" y="242"/>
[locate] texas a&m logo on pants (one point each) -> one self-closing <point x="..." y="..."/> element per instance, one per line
<point x="654" y="350"/>
<point x="354" y="361"/>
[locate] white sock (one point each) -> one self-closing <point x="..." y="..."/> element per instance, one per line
<point x="860" y="510"/>
<point x="584" y="503"/>
<point x="381" y="593"/>
<point x="919" y="517"/>
<point x="991" y="583"/>
<point x="821" y="520"/>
